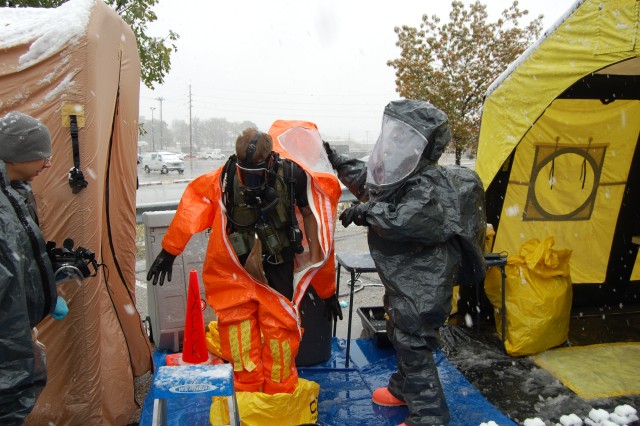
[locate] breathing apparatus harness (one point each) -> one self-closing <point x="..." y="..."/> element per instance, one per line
<point x="256" y="185"/>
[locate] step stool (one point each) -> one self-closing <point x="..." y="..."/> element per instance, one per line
<point x="197" y="380"/>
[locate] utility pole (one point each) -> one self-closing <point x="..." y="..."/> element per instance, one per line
<point x="161" y="122"/>
<point x="190" y="132"/>
<point x="153" y="133"/>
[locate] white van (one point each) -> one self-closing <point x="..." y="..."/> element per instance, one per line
<point x="163" y="161"/>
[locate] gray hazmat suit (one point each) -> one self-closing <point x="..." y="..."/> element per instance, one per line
<point x="426" y="231"/>
<point x="27" y="295"/>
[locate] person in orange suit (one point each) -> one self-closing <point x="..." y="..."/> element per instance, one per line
<point x="253" y="205"/>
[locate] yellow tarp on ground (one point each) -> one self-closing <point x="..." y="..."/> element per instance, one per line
<point x="596" y="371"/>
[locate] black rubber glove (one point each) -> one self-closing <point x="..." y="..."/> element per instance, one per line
<point x="332" y="308"/>
<point x="163" y="265"/>
<point x="356" y="214"/>
<point x="331" y="154"/>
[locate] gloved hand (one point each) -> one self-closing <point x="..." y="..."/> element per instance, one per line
<point x="61" y="310"/>
<point x="356" y="214"/>
<point x="332" y="308"/>
<point x="163" y="265"/>
<point x="331" y="154"/>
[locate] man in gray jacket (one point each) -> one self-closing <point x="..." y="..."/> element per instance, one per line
<point x="426" y="230"/>
<point x="27" y="287"/>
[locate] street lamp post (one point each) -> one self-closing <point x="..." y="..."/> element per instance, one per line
<point x="153" y="135"/>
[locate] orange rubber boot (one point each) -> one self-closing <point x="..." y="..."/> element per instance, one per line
<point x="382" y="396"/>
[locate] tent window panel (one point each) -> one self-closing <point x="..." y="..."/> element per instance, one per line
<point x="617" y="27"/>
<point x="564" y="182"/>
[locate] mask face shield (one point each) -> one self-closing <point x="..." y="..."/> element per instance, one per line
<point x="396" y="153"/>
<point x="305" y="146"/>
<point x="253" y="177"/>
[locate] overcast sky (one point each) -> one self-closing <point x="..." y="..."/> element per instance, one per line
<point x="317" y="60"/>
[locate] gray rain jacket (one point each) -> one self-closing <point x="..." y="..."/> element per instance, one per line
<point x="426" y="232"/>
<point x="27" y="295"/>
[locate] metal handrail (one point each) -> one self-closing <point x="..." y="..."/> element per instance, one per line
<point x="346" y="197"/>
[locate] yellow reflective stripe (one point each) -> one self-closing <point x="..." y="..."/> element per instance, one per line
<point x="235" y="348"/>
<point x="286" y="353"/>
<point x="245" y="335"/>
<point x="275" y="354"/>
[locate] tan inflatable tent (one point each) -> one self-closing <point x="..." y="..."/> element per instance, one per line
<point x="79" y="62"/>
<point x="558" y="150"/>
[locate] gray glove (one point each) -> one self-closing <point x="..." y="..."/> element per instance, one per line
<point x="356" y="214"/>
<point x="331" y="154"/>
<point x="163" y="265"/>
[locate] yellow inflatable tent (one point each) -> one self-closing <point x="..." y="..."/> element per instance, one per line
<point x="558" y="150"/>
<point x="79" y="63"/>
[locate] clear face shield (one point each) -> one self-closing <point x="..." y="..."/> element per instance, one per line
<point x="305" y="146"/>
<point x="396" y="153"/>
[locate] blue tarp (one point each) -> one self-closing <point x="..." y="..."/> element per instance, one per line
<point x="345" y="393"/>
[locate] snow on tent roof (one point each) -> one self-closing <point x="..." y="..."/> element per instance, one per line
<point x="47" y="30"/>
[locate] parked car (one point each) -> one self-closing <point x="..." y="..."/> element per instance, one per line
<point x="211" y="155"/>
<point x="163" y="161"/>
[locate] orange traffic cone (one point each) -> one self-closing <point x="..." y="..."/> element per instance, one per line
<point x="194" y="344"/>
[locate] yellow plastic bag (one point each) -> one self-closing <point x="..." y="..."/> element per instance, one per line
<point x="538" y="297"/>
<point x="281" y="409"/>
<point x="213" y="339"/>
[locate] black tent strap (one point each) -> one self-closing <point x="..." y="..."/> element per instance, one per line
<point x="76" y="178"/>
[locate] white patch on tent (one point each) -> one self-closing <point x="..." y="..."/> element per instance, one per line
<point x="93" y="93"/>
<point x="513" y="211"/>
<point x="122" y="38"/>
<point x="206" y="200"/>
<point x="19" y="98"/>
<point x="47" y="30"/>
<point x="522" y="235"/>
<point x="16" y="256"/>
<point x="623" y="118"/>
<point x="607" y="193"/>
<point x="552" y="180"/>
<point x="92" y="174"/>
<point x="66" y="83"/>
<point x="235" y="276"/>
<point x="129" y="309"/>
<point x="47" y="79"/>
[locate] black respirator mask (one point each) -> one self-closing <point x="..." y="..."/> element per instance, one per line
<point x="254" y="179"/>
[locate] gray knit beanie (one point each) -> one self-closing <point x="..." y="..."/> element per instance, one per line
<point x="23" y="138"/>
